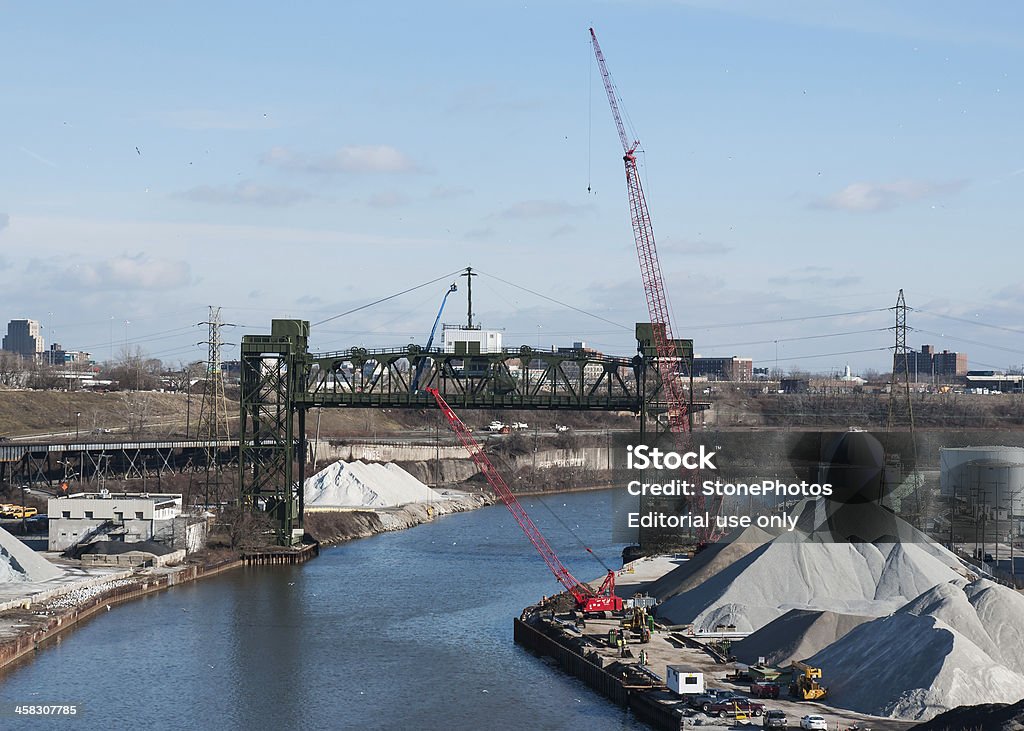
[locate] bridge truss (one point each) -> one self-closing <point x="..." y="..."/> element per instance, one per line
<point x="281" y="380"/>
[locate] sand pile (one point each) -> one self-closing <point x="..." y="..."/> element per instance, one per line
<point x="796" y="635"/>
<point x="18" y="562"/>
<point x="955" y="644"/>
<point x="789" y="572"/>
<point x="361" y="484"/>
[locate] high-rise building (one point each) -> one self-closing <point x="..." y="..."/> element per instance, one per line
<point x="23" y="338"/>
<point x="929" y="365"/>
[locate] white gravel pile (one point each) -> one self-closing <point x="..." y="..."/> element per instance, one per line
<point x="18" y="562"/>
<point x="789" y="572"/>
<point x="956" y="644"/>
<point x="359" y="484"/>
<point x="76" y="597"/>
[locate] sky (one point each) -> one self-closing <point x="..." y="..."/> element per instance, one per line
<point x="802" y="162"/>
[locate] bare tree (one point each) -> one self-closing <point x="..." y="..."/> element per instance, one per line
<point x="134" y="371"/>
<point x="11" y="369"/>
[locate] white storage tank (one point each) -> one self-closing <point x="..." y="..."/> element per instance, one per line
<point x="990" y="476"/>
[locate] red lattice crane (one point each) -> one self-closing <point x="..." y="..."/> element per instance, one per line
<point x="587" y="599"/>
<point x="650" y="269"/>
<point x="668" y="355"/>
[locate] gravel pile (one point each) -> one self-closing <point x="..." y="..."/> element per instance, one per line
<point x="956" y="644"/>
<point x="708" y="562"/>
<point x="796" y="635"/>
<point x="361" y="484"/>
<point x="988" y="717"/>
<point x="18" y="562"/>
<point x="789" y="572"/>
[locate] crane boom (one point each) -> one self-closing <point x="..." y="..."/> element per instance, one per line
<point x="414" y="387"/>
<point x="667" y="352"/>
<point x="604" y="599"/>
<point x="650" y="268"/>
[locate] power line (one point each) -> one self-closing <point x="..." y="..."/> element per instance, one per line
<point x="794" y="339"/>
<point x="788" y="319"/>
<point x="970" y="322"/>
<point x="557" y="302"/>
<point x="389" y="297"/>
<point x="972" y="342"/>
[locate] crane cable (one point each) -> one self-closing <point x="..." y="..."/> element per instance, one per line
<point x="573" y="533"/>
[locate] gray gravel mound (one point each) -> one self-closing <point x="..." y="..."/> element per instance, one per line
<point x="796" y="635"/>
<point x="792" y="573"/>
<point x="912" y="666"/>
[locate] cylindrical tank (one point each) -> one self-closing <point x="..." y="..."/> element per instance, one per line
<point x="985" y="476"/>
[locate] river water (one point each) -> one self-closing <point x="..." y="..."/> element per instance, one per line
<point x="408" y="630"/>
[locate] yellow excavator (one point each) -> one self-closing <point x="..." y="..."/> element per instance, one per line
<point x="805" y="685"/>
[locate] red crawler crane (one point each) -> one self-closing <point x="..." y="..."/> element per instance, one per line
<point x="654" y="284"/>
<point x="587" y="600"/>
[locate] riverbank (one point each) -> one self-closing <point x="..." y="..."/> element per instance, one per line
<point x="42" y="618"/>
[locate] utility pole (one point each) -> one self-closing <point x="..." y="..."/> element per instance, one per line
<point x="469" y="274"/>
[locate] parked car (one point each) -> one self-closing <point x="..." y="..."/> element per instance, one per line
<point x="711" y="695"/>
<point x="814" y="723"/>
<point x="37" y="523"/>
<point x="23" y="513"/>
<point x="735" y="706"/>
<point x="775" y="719"/>
<point x="561" y="428"/>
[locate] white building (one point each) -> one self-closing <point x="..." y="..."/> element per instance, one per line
<point x="471" y="341"/>
<point x="130" y="517"/>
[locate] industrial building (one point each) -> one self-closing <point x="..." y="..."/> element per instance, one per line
<point x="927" y="365"/>
<point x="128" y="517"/>
<point x="724" y="369"/>
<point x="24" y="339"/>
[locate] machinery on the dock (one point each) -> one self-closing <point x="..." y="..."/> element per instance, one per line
<point x="805" y="685"/>
<point x="587" y="599"/>
<point x="639" y="623"/>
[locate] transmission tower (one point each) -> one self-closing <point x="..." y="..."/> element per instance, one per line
<point x="212" y="424"/>
<point x="901" y="410"/>
<point x="901" y="414"/>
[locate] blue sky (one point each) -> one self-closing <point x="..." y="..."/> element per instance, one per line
<point x="303" y="161"/>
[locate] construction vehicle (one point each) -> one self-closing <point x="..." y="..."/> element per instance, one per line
<point x="638" y="622"/>
<point x="422" y="363"/>
<point x="587" y="599"/>
<point x="805" y="685"/>
<point x="667" y="350"/>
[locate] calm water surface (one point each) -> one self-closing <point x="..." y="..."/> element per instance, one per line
<point x="408" y="630"/>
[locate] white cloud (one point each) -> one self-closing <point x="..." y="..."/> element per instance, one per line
<point x="349" y="159"/>
<point x="5" y="221"/>
<point x="869" y="197"/>
<point x="246" y="193"/>
<point x="135" y="271"/>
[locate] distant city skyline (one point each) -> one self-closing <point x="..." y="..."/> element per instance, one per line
<point x="802" y="163"/>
